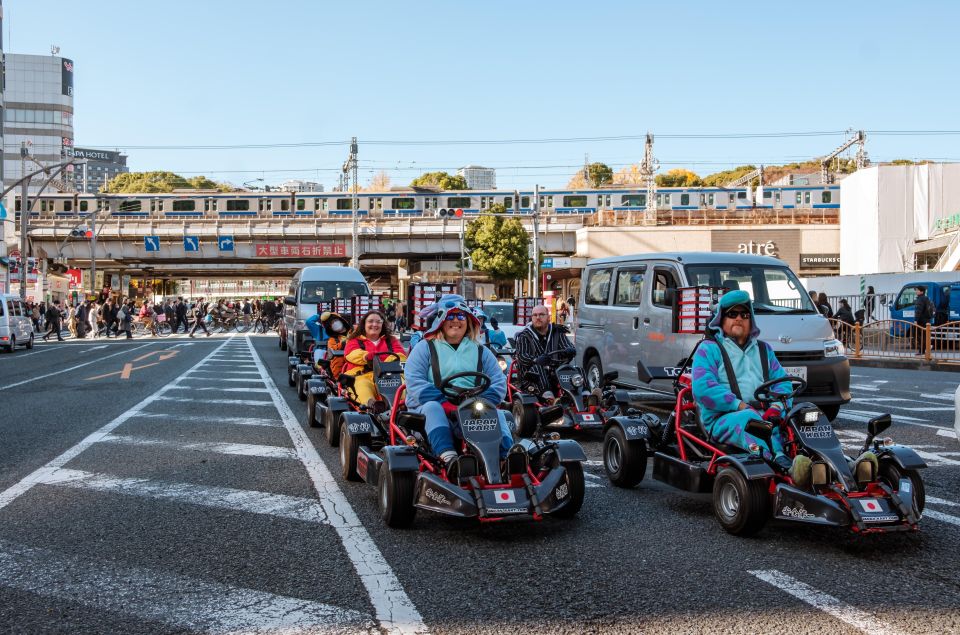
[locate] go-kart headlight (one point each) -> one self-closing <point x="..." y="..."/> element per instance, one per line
<point x="478" y="406"/>
<point x="811" y="416"/>
<point x="503" y="364"/>
<point x="833" y="348"/>
<point x="577" y="380"/>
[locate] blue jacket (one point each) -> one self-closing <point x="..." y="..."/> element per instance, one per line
<point x="496" y="338"/>
<point x="419" y="375"/>
<point x="711" y="386"/>
<point x="316" y="329"/>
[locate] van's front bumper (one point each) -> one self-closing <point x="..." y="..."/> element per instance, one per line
<point x="828" y="381"/>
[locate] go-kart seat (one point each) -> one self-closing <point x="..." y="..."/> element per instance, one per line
<point x="693" y="416"/>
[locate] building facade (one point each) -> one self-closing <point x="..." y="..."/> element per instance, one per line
<point x="102" y="165"/>
<point x="479" y="178"/>
<point x="38" y="100"/>
<point x="300" y="186"/>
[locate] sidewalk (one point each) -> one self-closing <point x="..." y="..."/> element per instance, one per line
<point x="905" y="363"/>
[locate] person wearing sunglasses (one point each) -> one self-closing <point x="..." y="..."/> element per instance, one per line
<point x="450" y="345"/>
<point x="727" y="368"/>
<point x="534" y="344"/>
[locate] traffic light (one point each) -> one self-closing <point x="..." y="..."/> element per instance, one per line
<point x="449" y="212"/>
<point x="81" y="232"/>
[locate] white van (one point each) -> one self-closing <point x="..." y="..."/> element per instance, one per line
<point x="310" y="286"/>
<point x="16" y="327"/>
<point x="628" y="310"/>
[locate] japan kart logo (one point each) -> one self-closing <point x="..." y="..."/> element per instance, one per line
<point x="480" y="425"/>
<point x="634" y="431"/>
<point x="561" y="492"/>
<point x="506" y="496"/>
<point x="436" y="497"/>
<point x="390" y="382"/>
<point x="357" y="428"/>
<point x="799" y="512"/>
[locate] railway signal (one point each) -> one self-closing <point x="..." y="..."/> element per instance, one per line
<point x="449" y="212"/>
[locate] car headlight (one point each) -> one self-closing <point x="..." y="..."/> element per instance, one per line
<point x="577" y="380"/>
<point x="503" y="364"/>
<point x="833" y="348"/>
<point x="299" y="324"/>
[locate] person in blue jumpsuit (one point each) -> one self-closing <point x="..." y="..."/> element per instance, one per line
<point x="724" y="415"/>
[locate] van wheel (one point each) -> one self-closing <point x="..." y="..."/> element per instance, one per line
<point x="283" y="343"/>
<point x="13" y="344"/>
<point x="594" y="370"/>
<point x="30" y="342"/>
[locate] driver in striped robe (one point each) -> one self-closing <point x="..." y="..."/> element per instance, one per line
<point x="533" y="347"/>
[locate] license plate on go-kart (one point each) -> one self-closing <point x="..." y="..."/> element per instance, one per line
<point x="796" y="371"/>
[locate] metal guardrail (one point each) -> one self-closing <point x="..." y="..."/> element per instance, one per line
<point x="900" y="339"/>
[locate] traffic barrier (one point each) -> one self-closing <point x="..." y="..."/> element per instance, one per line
<point x="900" y="339"/>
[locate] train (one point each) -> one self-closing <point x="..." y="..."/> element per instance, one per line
<point x="419" y="203"/>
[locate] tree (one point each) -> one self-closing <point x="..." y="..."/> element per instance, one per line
<point x="440" y="180"/>
<point x="597" y="174"/>
<point x="379" y="183"/>
<point x="726" y="176"/>
<point x="679" y="177"/>
<point x="159" y="182"/>
<point x="498" y="245"/>
<point x="629" y="175"/>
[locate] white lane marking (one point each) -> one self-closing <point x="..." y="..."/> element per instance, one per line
<point x="942" y="501"/>
<point x="945" y="518"/>
<point x="228" y="372"/>
<point x="947" y="433"/>
<point x="251" y="380"/>
<point x="233" y="421"/>
<point x="933" y="458"/>
<point x="824" y="602"/>
<point x="252" y="502"/>
<point x="880" y="381"/>
<point x="590" y="478"/>
<point x="392" y="607"/>
<point x="16" y="356"/>
<point x="16" y="490"/>
<point x="945" y="396"/>
<point x="238" y="449"/>
<point x="235" y="402"/>
<point x="185" y="603"/>
<point x="876" y="413"/>
<point x="219" y="388"/>
<point x="94" y="348"/>
<point x="73" y="368"/>
<point x="897" y="419"/>
<point x="866" y="387"/>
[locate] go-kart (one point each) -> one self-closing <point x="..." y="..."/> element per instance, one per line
<point x="748" y="490"/>
<point x="300" y="368"/>
<point x="319" y="384"/>
<point x="537" y="479"/>
<point x="580" y="409"/>
<point x="504" y="355"/>
<point x="387" y="376"/>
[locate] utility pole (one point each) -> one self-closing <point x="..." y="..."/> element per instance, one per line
<point x="586" y="170"/>
<point x="648" y="168"/>
<point x="463" y="284"/>
<point x="3" y="242"/>
<point x="349" y="172"/>
<point x="24" y="220"/>
<point x="536" y="241"/>
<point x="93" y="241"/>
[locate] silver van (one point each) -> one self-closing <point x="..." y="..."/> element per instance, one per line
<point x="16" y="327"/>
<point x="628" y="313"/>
<point x="310" y="286"/>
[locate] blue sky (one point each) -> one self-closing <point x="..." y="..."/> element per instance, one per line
<point x="222" y="72"/>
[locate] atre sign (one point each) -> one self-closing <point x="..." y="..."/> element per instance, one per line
<point x="283" y="250"/>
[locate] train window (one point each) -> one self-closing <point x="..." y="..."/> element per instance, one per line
<point x="284" y="205"/>
<point x="326" y="205"/>
<point x="741" y="196"/>
<point x="83" y="206"/>
<point x="776" y="197"/>
<point x="206" y="204"/>
<point x="541" y="202"/>
<point x="799" y="198"/>
<point x="633" y="200"/>
<point x="344" y="203"/>
<point x="574" y="201"/>
<point x="767" y="194"/>
<point x="483" y="202"/>
<point x="684" y="199"/>
<point x="261" y="205"/>
<point x="301" y="205"/>
<point x="184" y="206"/>
<point x="525" y="201"/>
<point x="458" y="201"/>
<point x="269" y="205"/>
<point x="710" y="199"/>
<point x="827" y="197"/>
<point x="130" y="206"/>
<point x="403" y="203"/>
<point x="608" y="201"/>
<point x="549" y="201"/>
<point x="68" y="206"/>
<point x="806" y="198"/>
<point x="507" y="202"/>
<point x="238" y="206"/>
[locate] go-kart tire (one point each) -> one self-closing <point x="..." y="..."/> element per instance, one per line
<point x="624" y="461"/>
<point x="332" y="427"/>
<point x="395" y="497"/>
<point x="291" y="378"/>
<point x="577" y="486"/>
<point x="742" y="507"/>
<point x="283" y="343"/>
<point x="301" y="387"/>
<point x="30" y="343"/>
<point x="349" y="446"/>
<point x="891" y="474"/>
<point x="312" y="411"/>
<point x="524" y="418"/>
<point x="830" y="412"/>
<point x="593" y="370"/>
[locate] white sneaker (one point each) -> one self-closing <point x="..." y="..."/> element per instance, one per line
<point x="448" y="457"/>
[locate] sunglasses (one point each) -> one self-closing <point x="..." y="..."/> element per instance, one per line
<point x="737" y="314"/>
<point x="460" y="317"/>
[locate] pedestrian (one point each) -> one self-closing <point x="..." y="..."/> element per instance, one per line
<point x="147" y="316"/>
<point x="870" y="303"/>
<point x="823" y="305"/>
<point x="53" y="322"/>
<point x="181" y="312"/>
<point x="72" y="319"/>
<point x="199" y="313"/>
<point x="845" y="322"/>
<point x="80" y="315"/>
<point x="35" y="317"/>
<point x="125" y="319"/>
<point x="924" y="311"/>
<point x="93" y="318"/>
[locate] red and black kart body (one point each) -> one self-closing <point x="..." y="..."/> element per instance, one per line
<point x="748" y="490"/>
<point x="536" y="480"/>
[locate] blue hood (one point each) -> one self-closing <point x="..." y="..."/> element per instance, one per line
<point x="727" y="300"/>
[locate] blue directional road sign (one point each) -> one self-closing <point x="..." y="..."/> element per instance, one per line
<point x="191" y="243"/>
<point x="225" y="243"/>
<point x="547" y="263"/>
<point x="151" y="243"/>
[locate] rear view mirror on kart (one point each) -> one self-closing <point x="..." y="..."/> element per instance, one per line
<point x="610" y="377"/>
<point x="549" y="414"/>
<point x="878" y="424"/>
<point x="290" y="300"/>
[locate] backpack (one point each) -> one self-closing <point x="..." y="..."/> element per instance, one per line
<point x="122" y="314"/>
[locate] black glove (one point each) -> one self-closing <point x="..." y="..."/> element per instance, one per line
<point x="542" y="359"/>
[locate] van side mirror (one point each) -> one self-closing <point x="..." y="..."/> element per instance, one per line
<point x="290" y="300"/>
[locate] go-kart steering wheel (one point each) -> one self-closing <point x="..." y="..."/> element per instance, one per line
<point x="457" y="394"/>
<point x="561" y="356"/>
<point x="387" y="354"/>
<point x="764" y="394"/>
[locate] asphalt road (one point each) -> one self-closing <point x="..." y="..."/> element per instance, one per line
<point x="169" y="486"/>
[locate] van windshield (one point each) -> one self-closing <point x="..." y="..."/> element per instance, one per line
<point x="772" y="289"/>
<point x="502" y="312"/>
<point x="313" y="292"/>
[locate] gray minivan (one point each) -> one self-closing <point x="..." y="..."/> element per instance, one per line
<point x="16" y="326"/>
<point x="628" y="314"/>
<point x="308" y="287"/>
